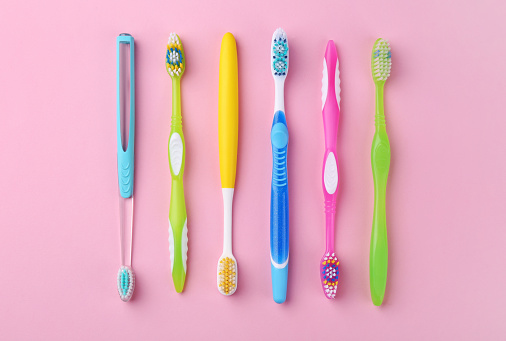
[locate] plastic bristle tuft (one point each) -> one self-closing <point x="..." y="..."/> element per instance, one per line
<point x="279" y="53"/>
<point x="227" y="276"/>
<point x="175" y="59"/>
<point x="126" y="283"/>
<point x="329" y="274"/>
<point x="381" y="60"/>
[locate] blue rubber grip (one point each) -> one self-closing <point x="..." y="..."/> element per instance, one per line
<point x="126" y="157"/>
<point x="279" y="208"/>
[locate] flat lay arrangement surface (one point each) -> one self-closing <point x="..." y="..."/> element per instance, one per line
<point x="217" y="96"/>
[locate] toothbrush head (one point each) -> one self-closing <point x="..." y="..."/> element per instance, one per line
<point x="175" y="59"/>
<point x="381" y="61"/>
<point x="126" y="283"/>
<point x="279" y="54"/>
<point x="329" y="274"/>
<point x="227" y="275"/>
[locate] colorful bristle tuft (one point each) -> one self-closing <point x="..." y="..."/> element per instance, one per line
<point x="227" y="276"/>
<point x="175" y="59"/>
<point x="381" y="62"/>
<point x="126" y="283"/>
<point x="329" y="273"/>
<point x="279" y="53"/>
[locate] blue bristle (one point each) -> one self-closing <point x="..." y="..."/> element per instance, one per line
<point x="125" y="281"/>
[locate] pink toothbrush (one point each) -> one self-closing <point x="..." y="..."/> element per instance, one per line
<point x="331" y="90"/>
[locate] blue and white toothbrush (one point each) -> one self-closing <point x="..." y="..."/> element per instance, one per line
<point x="126" y="278"/>
<point x="279" y="186"/>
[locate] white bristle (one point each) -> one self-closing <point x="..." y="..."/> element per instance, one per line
<point x="382" y="62"/>
<point x="125" y="297"/>
<point x="280" y="53"/>
<point x="331" y="272"/>
<point x="173" y="38"/>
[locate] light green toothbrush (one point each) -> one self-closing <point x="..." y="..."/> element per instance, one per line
<point x="380" y="159"/>
<point x="178" y="230"/>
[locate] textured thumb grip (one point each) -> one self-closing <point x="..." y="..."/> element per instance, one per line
<point x="126" y="172"/>
<point x="279" y="208"/>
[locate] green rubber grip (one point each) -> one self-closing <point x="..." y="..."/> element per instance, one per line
<point x="178" y="231"/>
<point x="380" y="161"/>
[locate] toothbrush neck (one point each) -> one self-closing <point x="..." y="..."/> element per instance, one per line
<point x="379" y="118"/>
<point x="176" y="98"/>
<point x="330" y="216"/>
<point x="279" y="95"/>
<point x="228" y="197"/>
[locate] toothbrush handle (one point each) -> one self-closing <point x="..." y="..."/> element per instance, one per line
<point x="126" y="157"/>
<point x="228" y="111"/>
<point x="178" y="230"/>
<point x="330" y="171"/>
<point x="378" y="258"/>
<point x="330" y="113"/>
<point x="279" y="208"/>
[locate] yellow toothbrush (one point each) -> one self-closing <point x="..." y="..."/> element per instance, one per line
<point x="228" y="117"/>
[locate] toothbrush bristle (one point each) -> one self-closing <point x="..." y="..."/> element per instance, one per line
<point x="175" y="59"/>
<point x="126" y="283"/>
<point x="329" y="274"/>
<point x="381" y="60"/>
<point x="279" y="53"/>
<point x="227" y="276"/>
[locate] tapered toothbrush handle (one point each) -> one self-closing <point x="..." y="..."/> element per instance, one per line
<point x="126" y="156"/>
<point x="378" y="258"/>
<point x="279" y="208"/>
<point x="228" y="111"/>
<point x="178" y="229"/>
<point x="330" y="113"/>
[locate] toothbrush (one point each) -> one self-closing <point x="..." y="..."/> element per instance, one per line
<point x="279" y="186"/>
<point x="228" y="122"/>
<point x="126" y="277"/>
<point x="331" y="92"/>
<point x="178" y="231"/>
<point x="380" y="159"/>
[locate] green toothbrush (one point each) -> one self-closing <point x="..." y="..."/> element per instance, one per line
<point x="380" y="159"/>
<point x="178" y="230"/>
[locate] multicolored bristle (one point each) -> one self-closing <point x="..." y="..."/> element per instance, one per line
<point x="381" y="62"/>
<point x="279" y="53"/>
<point x="329" y="274"/>
<point x="126" y="283"/>
<point x="175" y="59"/>
<point x="227" y="276"/>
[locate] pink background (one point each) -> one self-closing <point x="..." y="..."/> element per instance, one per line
<point x="445" y="104"/>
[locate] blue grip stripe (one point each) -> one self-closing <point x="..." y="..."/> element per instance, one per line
<point x="279" y="222"/>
